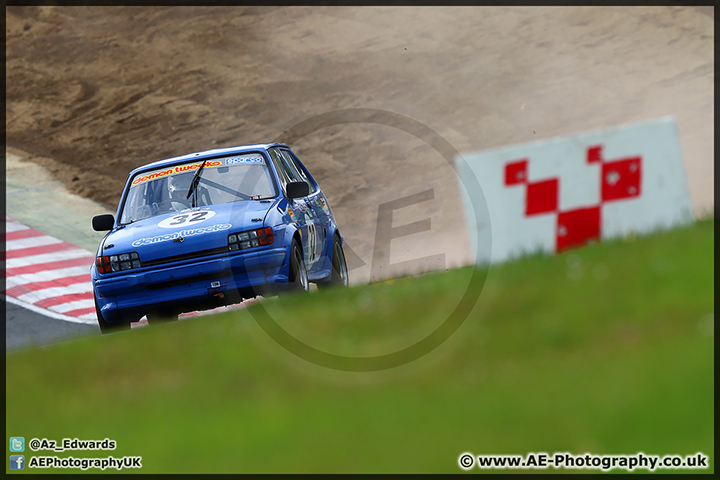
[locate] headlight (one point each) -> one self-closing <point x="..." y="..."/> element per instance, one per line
<point x="117" y="263"/>
<point x="250" y="239"/>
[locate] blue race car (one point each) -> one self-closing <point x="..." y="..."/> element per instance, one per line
<point x="213" y="228"/>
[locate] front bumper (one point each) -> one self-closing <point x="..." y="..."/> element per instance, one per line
<point x="189" y="285"/>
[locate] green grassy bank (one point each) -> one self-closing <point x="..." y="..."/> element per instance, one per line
<point x="606" y="349"/>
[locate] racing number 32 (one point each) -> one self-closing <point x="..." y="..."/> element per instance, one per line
<point x="188" y="218"/>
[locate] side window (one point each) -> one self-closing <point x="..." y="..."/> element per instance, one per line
<point x="298" y="169"/>
<point x="284" y="172"/>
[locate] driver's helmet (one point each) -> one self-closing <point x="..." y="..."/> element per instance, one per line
<point x="179" y="185"/>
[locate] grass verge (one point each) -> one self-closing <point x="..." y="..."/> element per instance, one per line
<point x="606" y="349"/>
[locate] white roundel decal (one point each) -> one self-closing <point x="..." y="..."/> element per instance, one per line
<point x="186" y="219"/>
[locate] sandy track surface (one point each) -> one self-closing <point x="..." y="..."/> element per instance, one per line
<point x="93" y="92"/>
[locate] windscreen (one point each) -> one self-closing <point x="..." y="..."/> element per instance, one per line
<point x="222" y="180"/>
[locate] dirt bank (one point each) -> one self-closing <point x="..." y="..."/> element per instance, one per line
<point x="93" y="92"/>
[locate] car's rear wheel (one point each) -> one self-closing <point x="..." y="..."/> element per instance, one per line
<point x="108" y="327"/>
<point x="298" y="278"/>
<point x="339" y="271"/>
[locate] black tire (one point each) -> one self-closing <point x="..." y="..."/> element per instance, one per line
<point x="339" y="272"/>
<point x="298" y="279"/>
<point x="157" y="318"/>
<point x="107" y="327"/>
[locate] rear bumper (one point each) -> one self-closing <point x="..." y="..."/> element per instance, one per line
<point x="190" y="285"/>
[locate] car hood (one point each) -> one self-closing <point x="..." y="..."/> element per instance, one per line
<point x="186" y="232"/>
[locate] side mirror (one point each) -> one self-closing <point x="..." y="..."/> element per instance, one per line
<point x="297" y="190"/>
<point x="103" y="223"/>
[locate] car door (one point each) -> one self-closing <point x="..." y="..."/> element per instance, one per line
<point x="315" y="216"/>
<point x="287" y="174"/>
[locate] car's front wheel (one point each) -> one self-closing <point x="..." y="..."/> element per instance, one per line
<point x="298" y="278"/>
<point x="107" y="327"/>
<point x="155" y="318"/>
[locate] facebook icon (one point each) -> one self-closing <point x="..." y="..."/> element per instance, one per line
<point x="17" y="462"/>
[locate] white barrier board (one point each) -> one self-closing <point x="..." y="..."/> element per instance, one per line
<point x="560" y="193"/>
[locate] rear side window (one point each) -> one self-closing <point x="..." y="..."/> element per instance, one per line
<point x="297" y="168"/>
<point x="288" y="170"/>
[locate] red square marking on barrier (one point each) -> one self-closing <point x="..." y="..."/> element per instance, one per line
<point x="542" y="197"/>
<point x="594" y="154"/>
<point x="621" y="179"/>
<point x="577" y="227"/>
<point x="516" y="172"/>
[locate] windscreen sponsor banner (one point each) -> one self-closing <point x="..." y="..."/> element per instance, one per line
<point x="250" y="159"/>
<point x="253" y="159"/>
<point x="173" y="170"/>
<point x="560" y="193"/>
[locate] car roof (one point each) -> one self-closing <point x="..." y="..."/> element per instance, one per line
<point x="209" y="153"/>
